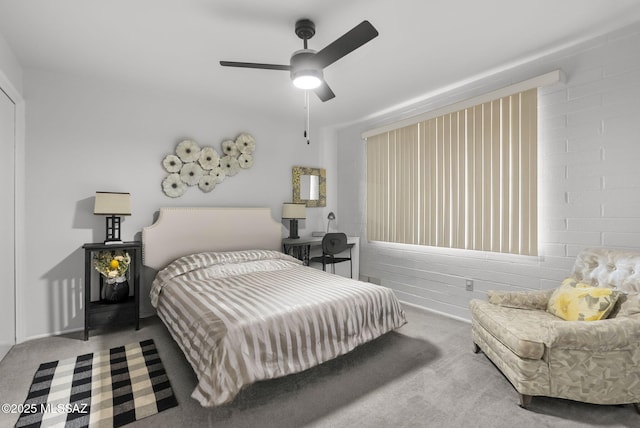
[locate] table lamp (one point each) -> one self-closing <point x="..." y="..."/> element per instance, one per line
<point x="293" y="212"/>
<point x="113" y="205"/>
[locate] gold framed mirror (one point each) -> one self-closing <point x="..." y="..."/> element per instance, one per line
<point x="309" y="186"/>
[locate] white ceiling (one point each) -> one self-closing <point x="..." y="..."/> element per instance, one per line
<point x="175" y="45"/>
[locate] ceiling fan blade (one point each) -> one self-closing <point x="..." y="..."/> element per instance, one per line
<point x="350" y="41"/>
<point x="324" y="92"/>
<point x="255" y="65"/>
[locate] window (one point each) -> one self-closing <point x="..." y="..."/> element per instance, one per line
<point x="464" y="179"/>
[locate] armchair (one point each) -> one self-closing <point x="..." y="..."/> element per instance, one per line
<point x="544" y="355"/>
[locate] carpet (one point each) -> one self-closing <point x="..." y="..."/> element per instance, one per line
<point x="104" y="389"/>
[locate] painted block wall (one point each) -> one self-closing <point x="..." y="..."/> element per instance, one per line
<point x="589" y="180"/>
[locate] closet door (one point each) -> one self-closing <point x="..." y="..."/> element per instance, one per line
<point x="7" y="225"/>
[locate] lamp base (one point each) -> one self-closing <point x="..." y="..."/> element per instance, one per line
<point x="293" y="229"/>
<point x="113" y="242"/>
<point x="113" y="230"/>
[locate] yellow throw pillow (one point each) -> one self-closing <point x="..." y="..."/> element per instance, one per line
<point x="574" y="301"/>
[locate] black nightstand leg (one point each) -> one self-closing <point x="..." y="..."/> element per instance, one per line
<point x="136" y="284"/>
<point x="87" y="291"/>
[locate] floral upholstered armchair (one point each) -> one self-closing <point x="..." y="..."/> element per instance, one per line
<point x="580" y="342"/>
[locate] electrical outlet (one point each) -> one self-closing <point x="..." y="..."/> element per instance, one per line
<point x="469" y="285"/>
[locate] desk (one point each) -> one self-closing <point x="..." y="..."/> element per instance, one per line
<point x="303" y="247"/>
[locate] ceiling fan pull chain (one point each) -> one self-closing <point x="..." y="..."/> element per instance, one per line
<point x="307" y="133"/>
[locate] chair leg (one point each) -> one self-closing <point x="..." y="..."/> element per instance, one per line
<point x="525" y="400"/>
<point x="637" y="406"/>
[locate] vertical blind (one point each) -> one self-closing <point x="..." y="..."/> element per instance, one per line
<point x="466" y="179"/>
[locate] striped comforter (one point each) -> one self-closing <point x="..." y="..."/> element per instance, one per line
<point x="245" y="316"/>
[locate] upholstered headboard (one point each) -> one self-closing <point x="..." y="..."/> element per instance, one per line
<point x="609" y="267"/>
<point x="182" y="231"/>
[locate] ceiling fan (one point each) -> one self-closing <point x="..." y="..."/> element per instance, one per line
<point x="306" y="65"/>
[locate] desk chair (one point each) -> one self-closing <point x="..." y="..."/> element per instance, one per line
<point x="332" y="244"/>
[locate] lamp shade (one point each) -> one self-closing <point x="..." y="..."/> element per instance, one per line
<point x="109" y="203"/>
<point x="296" y="211"/>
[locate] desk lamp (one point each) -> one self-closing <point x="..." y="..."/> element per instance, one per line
<point x="330" y="217"/>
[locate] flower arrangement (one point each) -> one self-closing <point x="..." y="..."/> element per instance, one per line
<point x="112" y="264"/>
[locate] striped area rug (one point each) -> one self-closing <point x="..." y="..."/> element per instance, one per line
<point x="103" y="389"/>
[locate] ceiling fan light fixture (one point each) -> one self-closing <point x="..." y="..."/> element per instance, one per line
<point x="307" y="79"/>
<point x="305" y="73"/>
<point x="306" y="65"/>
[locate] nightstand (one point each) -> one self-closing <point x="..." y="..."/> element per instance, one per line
<point x="100" y="314"/>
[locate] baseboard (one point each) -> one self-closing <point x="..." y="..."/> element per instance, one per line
<point x="73" y="330"/>
<point x="413" y="305"/>
<point x="50" y="334"/>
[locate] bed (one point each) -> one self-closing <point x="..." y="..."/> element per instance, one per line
<point x="242" y="311"/>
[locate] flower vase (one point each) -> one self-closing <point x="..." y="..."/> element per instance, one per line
<point x="114" y="289"/>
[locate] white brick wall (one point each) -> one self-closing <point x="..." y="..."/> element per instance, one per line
<point x="589" y="180"/>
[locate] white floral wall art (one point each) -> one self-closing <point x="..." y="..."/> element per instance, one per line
<point x="229" y="165"/>
<point x="245" y="161"/>
<point x="192" y="165"/>
<point x="188" y="151"/>
<point x="209" y="158"/>
<point x="245" y="144"/>
<point x="229" y="148"/>
<point x="191" y="173"/>
<point x="172" y="163"/>
<point x="218" y="175"/>
<point x="173" y="186"/>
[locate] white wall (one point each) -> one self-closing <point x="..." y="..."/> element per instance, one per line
<point x="85" y="135"/>
<point x="11" y="84"/>
<point x="9" y="67"/>
<point x="589" y="149"/>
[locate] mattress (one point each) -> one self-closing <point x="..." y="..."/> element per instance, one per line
<point x="245" y="316"/>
